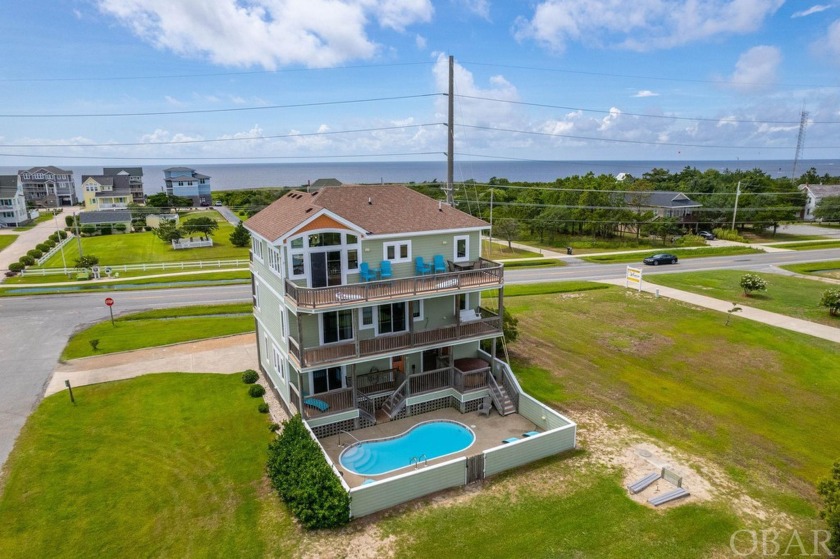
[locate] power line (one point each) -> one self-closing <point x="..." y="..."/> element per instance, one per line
<point x="243" y="139"/>
<point x="222" y="158"/>
<point x="226" y="110"/>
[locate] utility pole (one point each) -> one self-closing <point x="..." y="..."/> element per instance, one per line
<point x="735" y="211"/>
<point x="491" y="218"/>
<point x="800" y="141"/>
<point x="450" y="133"/>
<point x="78" y="235"/>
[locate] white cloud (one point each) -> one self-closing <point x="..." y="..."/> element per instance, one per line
<point x="643" y="24"/>
<point x="645" y="93"/>
<point x="830" y="43"/>
<point x="481" y="8"/>
<point x="815" y="9"/>
<point x="475" y="111"/>
<point x="756" y="68"/>
<point x="420" y="41"/>
<point x="267" y="33"/>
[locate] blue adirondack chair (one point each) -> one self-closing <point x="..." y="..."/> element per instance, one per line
<point x="439" y="264"/>
<point x="366" y="273"/>
<point x="420" y="267"/>
<point x="385" y="269"/>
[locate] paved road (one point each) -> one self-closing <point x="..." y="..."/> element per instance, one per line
<point x="232" y="218"/>
<point x="35" y="329"/>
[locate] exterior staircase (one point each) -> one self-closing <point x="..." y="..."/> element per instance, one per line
<point x="500" y="397"/>
<point x="396" y="402"/>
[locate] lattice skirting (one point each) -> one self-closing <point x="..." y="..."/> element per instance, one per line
<point x="331" y="429"/>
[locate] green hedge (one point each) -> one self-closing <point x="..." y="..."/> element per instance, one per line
<point x="300" y="474"/>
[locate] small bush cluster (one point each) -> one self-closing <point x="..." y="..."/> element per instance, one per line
<point x="262" y="408"/>
<point x="752" y="282"/>
<point x="16" y="267"/>
<point x="830" y="299"/>
<point x="26" y="260"/>
<point x="250" y="376"/>
<point x="43" y="247"/>
<point x="728" y="235"/>
<point x="255" y="391"/>
<point x="691" y="241"/>
<point x="35" y="253"/>
<point x="306" y="483"/>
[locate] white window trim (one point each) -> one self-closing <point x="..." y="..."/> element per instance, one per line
<point x="256" y="248"/>
<point x="311" y="383"/>
<point x="396" y="245"/>
<point x="455" y="240"/>
<point x="279" y="363"/>
<point x="422" y="307"/>
<point x="372" y="325"/>
<point x="321" y="330"/>
<point x="306" y="250"/>
<point x="376" y="319"/>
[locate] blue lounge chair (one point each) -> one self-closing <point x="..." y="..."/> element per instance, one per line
<point x="421" y="268"/>
<point x="530" y="433"/>
<point x="438" y="264"/>
<point x="319" y="405"/>
<point x="366" y="273"/>
<point x="385" y="270"/>
<point x="510" y="440"/>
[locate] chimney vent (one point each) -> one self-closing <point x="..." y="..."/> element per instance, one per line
<point x="370" y="202"/>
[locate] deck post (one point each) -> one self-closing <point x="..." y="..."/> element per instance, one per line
<point x="355" y="318"/>
<point x="300" y="340"/>
<point x="353" y="382"/>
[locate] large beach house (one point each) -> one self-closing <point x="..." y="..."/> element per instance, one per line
<point x="370" y="320"/>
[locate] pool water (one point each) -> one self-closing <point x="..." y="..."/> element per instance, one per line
<point x="424" y="441"/>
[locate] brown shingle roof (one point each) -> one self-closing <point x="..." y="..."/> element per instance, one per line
<point x="379" y="210"/>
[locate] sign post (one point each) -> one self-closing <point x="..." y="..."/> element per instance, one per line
<point x="110" y="303"/>
<point x="634" y="276"/>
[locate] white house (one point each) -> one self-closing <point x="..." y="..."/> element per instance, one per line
<point x="12" y="202"/>
<point x="813" y="194"/>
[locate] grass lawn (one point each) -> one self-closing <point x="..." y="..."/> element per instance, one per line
<point x="190" y="274"/>
<point x="679" y="252"/>
<point x="796" y="297"/>
<point x="589" y="245"/>
<point x="535" y="263"/>
<point x="757" y="400"/>
<point x="156" y="328"/>
<point x="40" y="219"/>
<point x="6" y="240"/>
<point x="809" y="245"/>
<point x="830" y="269"/>
<point x="138" y="248"/>
<point x="167" y="465"/>
<point x="500" y="251"/>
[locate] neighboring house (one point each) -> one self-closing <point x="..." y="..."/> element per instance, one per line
<point x="663" y="204"/>
<point x="187" y="183"/>
<point x="102" y="192"/>
<point x="813" y="194"/>
<point x="106" y="218"/>
<point x="12" y="202"/>
<point x="48" y="187"/>
<point x="348" y="346"/>
<point x="135" y="180"/>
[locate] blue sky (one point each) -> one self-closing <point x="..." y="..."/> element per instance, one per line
<point x="360" y="80"/>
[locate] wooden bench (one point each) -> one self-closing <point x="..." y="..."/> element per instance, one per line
<point x="677" y="493"/>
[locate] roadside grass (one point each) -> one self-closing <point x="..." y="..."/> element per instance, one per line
<point x="589" y="245"/>
<point x="526" y="289"/>
<point x="536" y="263"/>
<point x="768" y="236"/>
<point x="790" y="296"/>
<point x="500" y="250"/>
<point x="138" y="248"/>
<point x="759" y="401"/>
<point x="830" y="269"/>
<point x="176" y="276"/>
<point x="561" y="522"/>
<point x="6" y="240"/>
<point x="679" y="252"/>
<point x="157" y="328"/>
<point x="809" y="245"/>
<point x="165" y="465"/>
<point x="40" y="219"/>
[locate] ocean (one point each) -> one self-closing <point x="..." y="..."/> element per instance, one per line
<point x="258" y="175"/>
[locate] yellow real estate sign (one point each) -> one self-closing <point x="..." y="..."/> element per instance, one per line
<point x="633" y="278"/>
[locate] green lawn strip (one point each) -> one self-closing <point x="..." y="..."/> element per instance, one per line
<point x="140" y="248"/>
<point x="40" y="219"/>
<point x="769" y="237"/>
<point x="190" y="274"/>
<point x="499" y="251"/>
<point x="589" y="516"/>
<point x="139" y="285"/>
<point x="830" y="269"/>
<point x="813" y="245"/>
<point x="6" y="240"/>
<point x="679" y="252"/>
<point x="790" y="296"/>
<point x="588" y="245"/>
<point x="751" y="398"/>
<point x="524" y="289"/>
<point x="126" y="335"/>
<point x="165" y="465"/>
<point x="195" y="310"/>
<point x="537" y="263"/>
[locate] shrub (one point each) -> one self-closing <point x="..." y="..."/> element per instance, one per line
<point x="87" y="261"/>
<point x="691" y="241"/>
<point x="274" y="427"/>
<point x="147" y="228"/>
<point x="43" y="247"/>
<point x="54" y="237"/>
<point x="303" y="479"/>
<point x="829" y="490"/>
<point x="88" y="230"/>
<point x="752" y="282"/>
<point x="105" y="230"/>
<point x="70" y="220"/>
<point x="35" y="253"/>
<point x="262" y="408"/>
<point x="250" y="376"/>
<point x="120" y="227"/>
<point x="26" y="260"/>
<point x="830" y="299"/>
<point x="49" y="243"/>
<point x="62" y="234"/>
<point x="728" y="235"/>
<point x="94" y="343"/>
<point x="16" y="267"/>
<point x="256" y="390"/>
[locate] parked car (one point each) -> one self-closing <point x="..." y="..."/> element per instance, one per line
<point x="707" y="235"/>
<point x="658" y="259"/>
<point x="218" y="203"/>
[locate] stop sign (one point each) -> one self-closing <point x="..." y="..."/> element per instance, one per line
<point x="109" y="301"/>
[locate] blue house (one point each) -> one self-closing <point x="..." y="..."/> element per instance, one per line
<point x="187" y="183"/>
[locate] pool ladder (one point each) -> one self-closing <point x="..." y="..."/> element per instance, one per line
<point x="348" y="434"/>
<point x="415" y="461"/>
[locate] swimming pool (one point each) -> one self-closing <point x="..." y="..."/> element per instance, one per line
<point x="424" y="441"/>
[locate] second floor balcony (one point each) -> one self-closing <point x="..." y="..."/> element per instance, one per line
<point x="475" y="274"/>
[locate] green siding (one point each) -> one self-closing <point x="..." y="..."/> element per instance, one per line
<point x="534" y="411"/>
<point x="335" y="418"/>
<point x="367" y="499"/>
<point x="528" y="450"/>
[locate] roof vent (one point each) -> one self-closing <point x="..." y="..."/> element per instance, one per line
<point x="370" y="201"/>
<point x="308" y="210"/>
<point x="440" y="206"/>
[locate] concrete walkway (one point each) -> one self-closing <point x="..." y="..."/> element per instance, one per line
<point x="773" y="319"/>
<point x="230" y="354"/>
<point x="28" y="239"/>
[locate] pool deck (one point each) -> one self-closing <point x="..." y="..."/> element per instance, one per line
<point x="489" y="431"/>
